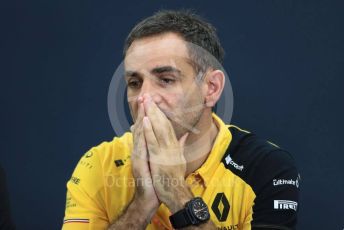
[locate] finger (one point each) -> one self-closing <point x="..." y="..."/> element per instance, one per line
<point x="140" y="111"/>
<point x="152" y="143"/>
<point x="136" y="129"/>
<point x="153" y="111"/>
<point x="140" y="155"/>
<point x="183" y="139"/>
<point x="161" y="126"/>
<point x="139" y="142"/>
<point x="138" y="138"/>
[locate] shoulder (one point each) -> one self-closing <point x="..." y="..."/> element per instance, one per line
<point x="272" y="174"/>
<point x="90" y="187"/>
<point x="110" y="152"/>
<point x="119" y="147"/>
<point x="256" y="160"/>
<point x="102" y="160"/>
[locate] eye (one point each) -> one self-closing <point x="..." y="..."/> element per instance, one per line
<point x="166" y="81"/>
<point x="134" y="84"/>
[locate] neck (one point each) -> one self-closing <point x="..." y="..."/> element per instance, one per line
<point x="198" y="146"/>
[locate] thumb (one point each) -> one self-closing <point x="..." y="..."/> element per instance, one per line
<point x="182" y="140"/>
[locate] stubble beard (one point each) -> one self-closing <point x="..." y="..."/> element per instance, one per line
<point x="186" y="121"/>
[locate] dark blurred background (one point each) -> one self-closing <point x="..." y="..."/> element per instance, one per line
<point x="285" y="58"/>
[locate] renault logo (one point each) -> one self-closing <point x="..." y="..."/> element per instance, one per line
<point x="221" y="207"/>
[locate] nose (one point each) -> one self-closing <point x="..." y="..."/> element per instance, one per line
<point x="149" y="87"/>
<point x="146" y="87"/>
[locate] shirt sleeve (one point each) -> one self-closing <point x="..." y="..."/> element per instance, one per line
<point x="85" y="196"/>
<point x="276" y="183"/>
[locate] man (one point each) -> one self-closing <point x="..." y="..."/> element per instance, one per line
<point x="180" y="166"/>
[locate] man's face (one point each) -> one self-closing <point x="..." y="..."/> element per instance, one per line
<point x="160" y="66"/>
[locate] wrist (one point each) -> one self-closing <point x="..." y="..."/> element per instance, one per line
<point x="144" y="208"/>
<point x="181" y="196"/>
<point x="194" y="213"/>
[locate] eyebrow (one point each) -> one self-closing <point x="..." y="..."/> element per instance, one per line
<point x="165" y="69"/>
<point x="129" y="73"/>
<point x="155" y="71"/>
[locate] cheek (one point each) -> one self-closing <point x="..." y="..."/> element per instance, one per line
<point x="174" y="100"/>
<point x="169" y="102"/>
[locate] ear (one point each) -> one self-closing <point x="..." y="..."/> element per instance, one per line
<point x="215" y="82"/>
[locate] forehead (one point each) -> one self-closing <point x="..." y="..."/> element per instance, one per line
<point x="158" y="50"/>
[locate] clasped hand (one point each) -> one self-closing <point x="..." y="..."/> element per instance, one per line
<point x="158" y="160"/>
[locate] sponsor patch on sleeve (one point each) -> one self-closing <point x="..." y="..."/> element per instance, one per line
<point x="285" y="205"/>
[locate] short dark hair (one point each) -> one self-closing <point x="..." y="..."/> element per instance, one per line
<point x="191" y="27"/>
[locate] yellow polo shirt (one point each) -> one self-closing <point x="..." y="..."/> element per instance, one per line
<point x="246" y="182"/>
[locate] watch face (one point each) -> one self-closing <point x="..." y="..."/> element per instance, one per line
<point x="200" y="209"/>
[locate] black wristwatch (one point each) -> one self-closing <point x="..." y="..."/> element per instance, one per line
<point x="195" y="212"/>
